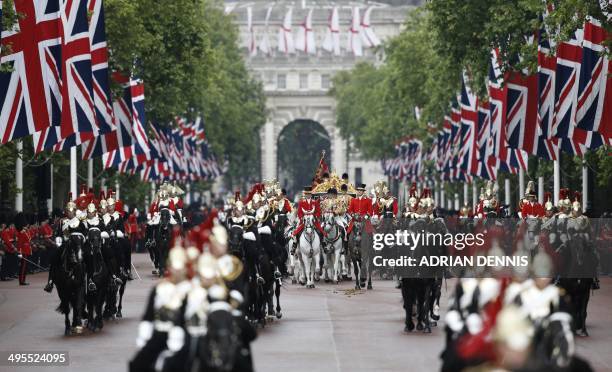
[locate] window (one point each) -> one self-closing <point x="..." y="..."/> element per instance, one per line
<point x="281" y="81"/>
<point x="325" y="81"/>
<point x="358" y="176"/>
<point x="303" y="81"/>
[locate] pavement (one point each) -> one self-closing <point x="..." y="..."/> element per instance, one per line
<point x="328" y="328"/>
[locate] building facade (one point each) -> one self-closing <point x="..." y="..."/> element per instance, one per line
<point x="297" y="84"/>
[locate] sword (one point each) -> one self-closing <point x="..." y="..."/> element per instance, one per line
<point x="136" y="271"/>
<point x="32" y="262"/>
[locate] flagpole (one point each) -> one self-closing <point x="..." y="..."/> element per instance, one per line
<point x="507" y="191"/>
<point x="19" y="177"/>
<point x="541" y="189"/>
<point x="521" y="183"/>
<point x="436" y="196"/>
<point x="442" y="198"/>
<point x="557" y="176"/>
<point x="474" y="195"/>
<point x="50" y="200"/>
<point x="457" y="207"/>
<point x="90" y="173"/>
<point x="465" y="193"/>
<point x="585" y="186"/>
<point x="117" y="190"/>
<point x="73" y="172"/>
<point x="188" y="194"/>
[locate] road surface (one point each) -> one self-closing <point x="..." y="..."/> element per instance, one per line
<point x="329" y="328"/>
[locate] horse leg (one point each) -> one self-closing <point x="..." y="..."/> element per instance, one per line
<point x="426" y="306"/>
<point x="121" y="290"/>
<point x="91" y="299"/>
<point x="307" y="271"/>
<point x="408" y="297"/>
<point x="337" y="265"/>
<point x="318" y="266"/>
<point x="357" y="272"/>
<point x="67" y="329"/>
<point x="277" y="291"/>
<point x="369" y="273"/>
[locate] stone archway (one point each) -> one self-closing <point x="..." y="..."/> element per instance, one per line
<point x="299" y="147"/>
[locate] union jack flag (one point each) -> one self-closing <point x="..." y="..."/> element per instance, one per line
<point x="117" y="143"/>
<point x="485" y="169"/>
<point x="521" y="111"/>
<point x="138" y="152"/>
<point x="99" y="61"/>
<point x="78" y="115"/>
<point x="508" y="159"/>
<point x="593" y="111"/>
<point x="469" y="122"/>
<point x="546" y="146"/>
<point x="569" y="60"/>
<point x="30" y="94"/>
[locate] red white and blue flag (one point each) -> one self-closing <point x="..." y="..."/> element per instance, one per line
<point x="594" y="109"/>
<point x="30" y="93"/>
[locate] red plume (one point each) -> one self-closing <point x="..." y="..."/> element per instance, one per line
<point x="578" y="196"/>
<point x="237" y="196"/>
<point x="547" y="196"/>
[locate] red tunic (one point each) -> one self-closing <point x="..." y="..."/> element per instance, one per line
<point x="529" y="209"/>
<point x="360" y="205"/>
<point x="23" y="243"/>
<point x="8" y="236"/>
<point x="308" y="206"/>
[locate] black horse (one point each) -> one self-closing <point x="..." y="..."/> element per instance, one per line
<point x="97" y="278"/>
<point x="354" y="245"/>
<point x="579" y="262"/>
<point x="417" y="285"/>
<point x="162" y="240"/>
<point x="269" y="260"/>
<point x="69" y="277"/>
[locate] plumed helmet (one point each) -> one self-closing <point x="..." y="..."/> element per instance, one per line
<point x="178" y="259"/>
<point x="576" y="204"/>
<point x="207" y="266"/>
<point x="548" y="204"/>
<point x="531" y="189"/>
<point x="111" y="197"/>
<point x="71" y="205"/>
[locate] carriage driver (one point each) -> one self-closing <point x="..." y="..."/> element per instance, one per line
<point x="308" y="207"/>
<point x="360" y="205"/>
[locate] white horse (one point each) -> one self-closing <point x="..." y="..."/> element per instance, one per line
<point x="293" y="262"/>
<point x="310" y="251"/>
<point x="332" y="248"/>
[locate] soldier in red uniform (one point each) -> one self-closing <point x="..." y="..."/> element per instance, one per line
<point x="360" y="205"/>
<point x="8" y="235"/>
<point x="308" y="206"/>
<point x="530" y="208"/>
<point x="24" y="250"/>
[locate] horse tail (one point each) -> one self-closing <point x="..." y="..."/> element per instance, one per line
<point x="63" y="308"/>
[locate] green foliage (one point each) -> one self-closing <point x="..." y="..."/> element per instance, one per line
<point x="467" y="31"/>
<point x="187" y="53"/>
<point x="376" y="105"/>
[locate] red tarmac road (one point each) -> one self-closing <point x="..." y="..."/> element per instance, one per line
<point x="329" y="328"/>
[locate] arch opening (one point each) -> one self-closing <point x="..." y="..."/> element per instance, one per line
<point x="300" y="144"/>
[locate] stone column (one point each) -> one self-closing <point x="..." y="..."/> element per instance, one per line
<point x="268" y="153"/>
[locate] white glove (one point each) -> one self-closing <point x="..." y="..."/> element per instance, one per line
<point x="104" y="235"/>
<point x="58" y="241"/>
<point x="145" y="331"/>
<point x="176" y="339"/>
<point x="120" y="234"/>
<point x="249" y="236"/>
<point x="148" y="216"/>
<point x="264" y="230"/>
